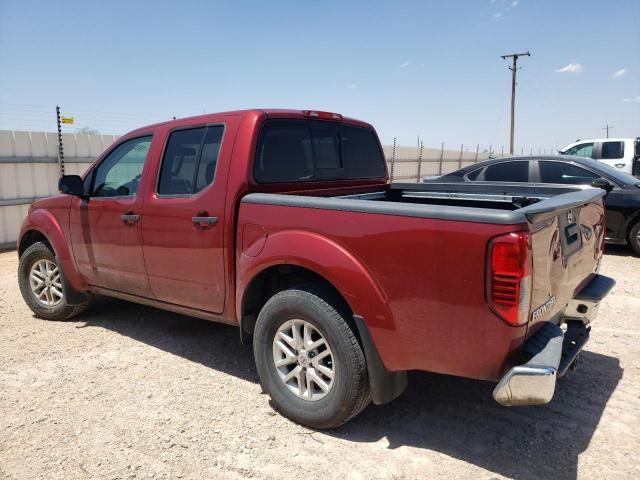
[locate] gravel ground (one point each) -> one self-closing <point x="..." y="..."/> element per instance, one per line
<point x="127" y="391"/>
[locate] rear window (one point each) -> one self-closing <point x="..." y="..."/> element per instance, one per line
<point x="308" y="150"/>
<point x="612" y="150"/>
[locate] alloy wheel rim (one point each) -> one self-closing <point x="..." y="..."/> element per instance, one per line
<point x="303" y="360"/>
<point x="46" y="283"/>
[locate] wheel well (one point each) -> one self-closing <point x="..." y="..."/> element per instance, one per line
<point x="385" y="385"/>
<point x="632" y="223"/>
<point x="282" y="277"/>
<point x="29" y="238"/>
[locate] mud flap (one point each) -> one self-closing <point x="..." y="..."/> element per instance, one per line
<point x="385" y="385"/>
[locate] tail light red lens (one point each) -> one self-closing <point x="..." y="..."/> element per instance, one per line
<point x="509" y="277"/>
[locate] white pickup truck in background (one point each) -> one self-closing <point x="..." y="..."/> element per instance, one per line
<point x="621" y="153"/>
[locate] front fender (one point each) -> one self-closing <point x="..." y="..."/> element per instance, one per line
<point x="47" y="224"/>
<point x="338" y="266"/>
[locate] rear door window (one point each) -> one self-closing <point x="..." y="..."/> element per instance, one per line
<point x="507" y="172"/>
<point x="559" y="172"/>
<point x="612" y="150"/>
<point x="299" y="150"/>
<point x="189" y="161"/>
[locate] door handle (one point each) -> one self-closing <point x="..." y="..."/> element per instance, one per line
<point x="204" y="222"/>
<point x="130" y="218"/>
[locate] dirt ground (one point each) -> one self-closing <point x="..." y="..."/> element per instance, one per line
<point x="127" y="391"/>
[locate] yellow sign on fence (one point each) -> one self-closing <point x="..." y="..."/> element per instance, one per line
<point x="67" y="120"/>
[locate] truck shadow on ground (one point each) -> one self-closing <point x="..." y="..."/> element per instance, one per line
<point x="453" y="416"/>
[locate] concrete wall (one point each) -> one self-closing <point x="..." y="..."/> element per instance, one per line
<point x="29" y="168"/>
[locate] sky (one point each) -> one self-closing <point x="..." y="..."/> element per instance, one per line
<point x="427" y="69"/>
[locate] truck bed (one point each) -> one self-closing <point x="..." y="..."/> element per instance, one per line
<point x="425" y="249"/>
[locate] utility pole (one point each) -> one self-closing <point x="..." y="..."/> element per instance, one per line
<point x="513" y="69"/>
<point x="607" y="127"/>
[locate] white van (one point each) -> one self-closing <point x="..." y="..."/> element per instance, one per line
<point x="621" y="153"/>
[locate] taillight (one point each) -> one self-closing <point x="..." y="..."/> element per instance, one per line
<point x="509" y="277"/>
<point x="320" y="114"/>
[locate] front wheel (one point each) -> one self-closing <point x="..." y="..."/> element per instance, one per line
<point x="634" y="238"/>
<point x="41" y="284"/>
<point x="309" y="360"/>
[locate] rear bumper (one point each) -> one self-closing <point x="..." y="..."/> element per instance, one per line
<point x="551" y="350"/>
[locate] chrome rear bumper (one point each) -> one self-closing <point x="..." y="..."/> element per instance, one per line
<point x="526" y="385"/>
<point x="534" y="382"/>
<point x="551" y="350"/>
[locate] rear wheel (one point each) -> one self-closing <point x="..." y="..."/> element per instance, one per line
<point x="41" y="284"/>
<point x="634" y="238"/>
<point x="309" y="359"/>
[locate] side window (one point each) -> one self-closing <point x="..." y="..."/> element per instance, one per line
<point x="118" y="175"/>
<point x="190" y="159"/>
<point x="582" y="150"/>
<point x="558" y="172"/>
<point x="473" y="175"/>
<point x="611" y="150"/>
<point x="507" y="172"/>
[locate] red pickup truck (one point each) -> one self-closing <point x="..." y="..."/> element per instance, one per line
<point x="284" y="223"/>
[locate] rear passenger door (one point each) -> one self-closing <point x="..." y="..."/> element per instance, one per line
<point x="183" y="220"/>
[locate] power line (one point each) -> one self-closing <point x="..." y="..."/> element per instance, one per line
<point x="513" y="69"/>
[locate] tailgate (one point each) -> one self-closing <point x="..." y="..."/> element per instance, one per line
<point x="567" y="239"/>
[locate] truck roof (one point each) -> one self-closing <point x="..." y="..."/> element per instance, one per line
<point x="269" y="112"/>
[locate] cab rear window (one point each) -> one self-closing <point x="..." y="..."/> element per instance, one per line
<point x="310" y="150"/>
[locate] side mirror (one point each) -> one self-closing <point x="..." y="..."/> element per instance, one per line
<point x="72" y="185"/>
<point x="602" y="183"/>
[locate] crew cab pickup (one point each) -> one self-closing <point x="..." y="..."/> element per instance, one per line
<point x="284" y="223"/>
<point x="620" y="153"/>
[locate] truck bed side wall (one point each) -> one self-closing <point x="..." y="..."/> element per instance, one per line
<point x="418" y="282"/>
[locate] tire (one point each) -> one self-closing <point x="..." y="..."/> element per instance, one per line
<point x="35" y="260"/>
<point x="634" y="238"/>
<point x="321" y="313"/>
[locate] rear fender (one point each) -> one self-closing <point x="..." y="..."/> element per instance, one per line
<point x="335" y="264"/>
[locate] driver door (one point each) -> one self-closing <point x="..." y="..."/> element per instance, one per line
<point x="105" y="230"/>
